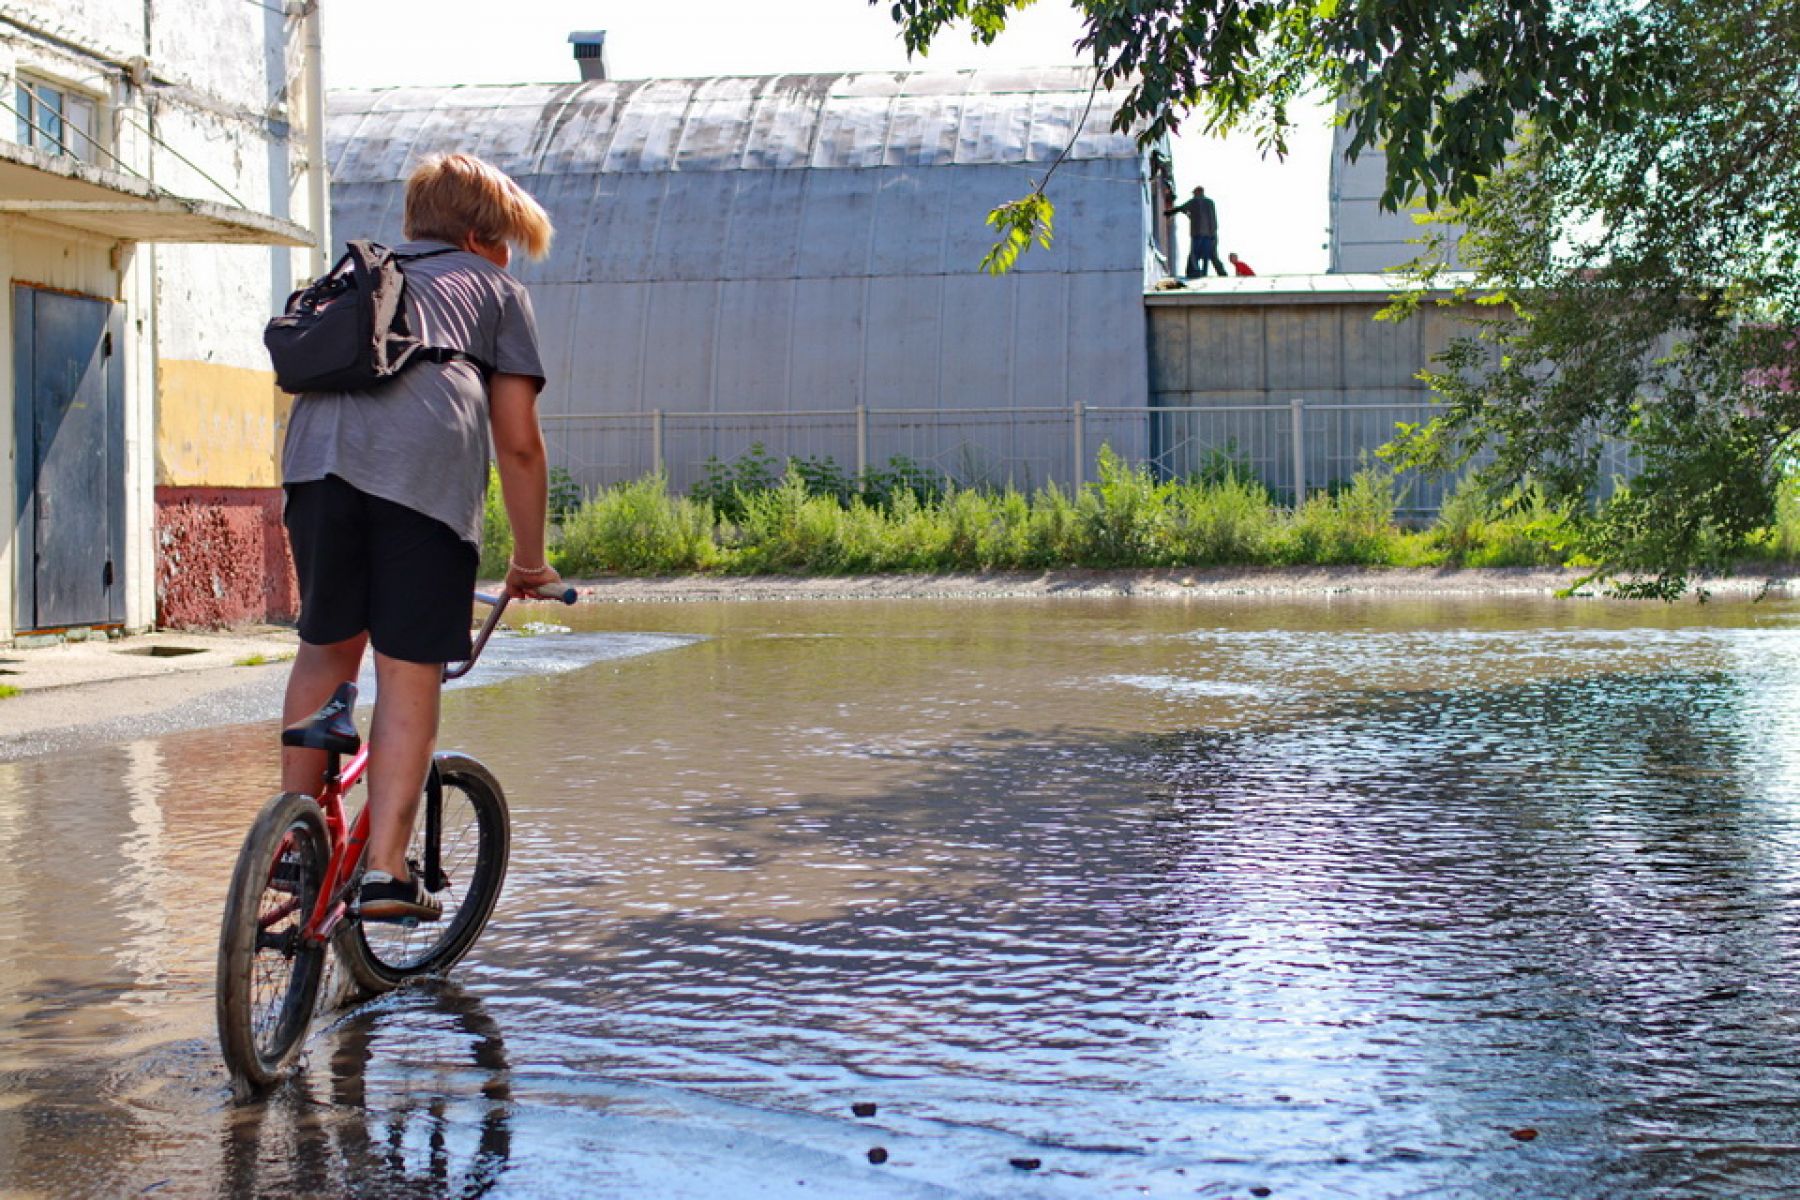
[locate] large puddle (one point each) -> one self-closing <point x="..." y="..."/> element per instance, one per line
<point x="1350" y="899"/>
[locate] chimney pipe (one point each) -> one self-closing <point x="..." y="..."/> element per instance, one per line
<point x="590" y="52"/>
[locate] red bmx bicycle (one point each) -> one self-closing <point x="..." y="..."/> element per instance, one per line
<point x="293" y="892"/>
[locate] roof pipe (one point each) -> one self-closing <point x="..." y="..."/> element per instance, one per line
<point x="590" y="53"/>
<point x="318" y="182"/>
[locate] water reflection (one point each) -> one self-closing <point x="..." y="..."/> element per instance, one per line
<point x="408" y="1096"/>
<point x="1572" y="916"/>
<point x="1329" y="899"/>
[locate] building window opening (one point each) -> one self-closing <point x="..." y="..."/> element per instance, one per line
<point x="55" y="120"/>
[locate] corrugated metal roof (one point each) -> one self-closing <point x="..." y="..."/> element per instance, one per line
<point x="883" y="119"/>
<point x="794" y="242"/>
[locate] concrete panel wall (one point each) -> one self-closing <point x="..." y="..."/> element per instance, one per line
<point x="1356" y="377"/>
<point x="1269" y="352"/>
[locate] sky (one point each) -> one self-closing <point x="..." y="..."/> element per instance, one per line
<point x="1273" y="213"/>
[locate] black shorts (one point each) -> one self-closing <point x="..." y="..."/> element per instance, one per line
<point x="369" y="564"/>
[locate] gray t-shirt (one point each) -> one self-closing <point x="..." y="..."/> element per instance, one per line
<point x="422" y="438"/>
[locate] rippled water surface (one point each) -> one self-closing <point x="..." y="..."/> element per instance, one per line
<point x="1348" y="899"/>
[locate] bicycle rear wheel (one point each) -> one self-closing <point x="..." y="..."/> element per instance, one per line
<point x="268" y="973"/>
<point x="474" y="841"/>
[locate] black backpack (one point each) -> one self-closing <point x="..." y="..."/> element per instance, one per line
<point x="346" y="331"/>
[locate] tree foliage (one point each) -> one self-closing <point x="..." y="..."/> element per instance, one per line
<point x="1645" y="285"/>
<point x="1628" y="176"/>
<point x="1444" y="85"/>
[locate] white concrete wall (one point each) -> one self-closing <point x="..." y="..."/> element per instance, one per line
<point x="204" y="98"/>
<point x="238" y="125"/>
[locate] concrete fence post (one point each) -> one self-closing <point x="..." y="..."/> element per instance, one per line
<point x="862" y="440"/>
<point x="1299" y="409"/>
<point x="656" y="440"/>
<point x="1079" y="440"/>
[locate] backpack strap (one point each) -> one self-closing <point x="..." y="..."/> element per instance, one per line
<point x="443" y="354"/>
<point x="418" y="254"/>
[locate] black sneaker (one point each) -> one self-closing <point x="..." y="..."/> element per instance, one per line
<point x="384" y="898"/>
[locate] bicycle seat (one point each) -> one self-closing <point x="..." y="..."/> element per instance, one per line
<point x="332" y="728"/>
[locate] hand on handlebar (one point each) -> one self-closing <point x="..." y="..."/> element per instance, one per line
<point x="540" y="584"/>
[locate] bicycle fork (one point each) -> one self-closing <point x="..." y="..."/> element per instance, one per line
<point x="435" y="879"/>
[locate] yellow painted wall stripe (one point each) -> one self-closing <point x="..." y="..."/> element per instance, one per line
<point x="218" y="426"/>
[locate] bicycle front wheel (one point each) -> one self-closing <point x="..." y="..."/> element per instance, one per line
<point x="474" y="840"/>
<point x="268" y="973"/>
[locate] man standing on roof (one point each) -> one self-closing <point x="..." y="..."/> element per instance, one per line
<point x="1203" y="233"/>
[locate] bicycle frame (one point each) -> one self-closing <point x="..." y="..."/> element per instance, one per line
<point x="346" y="853"/>
<point x="347" y="846"/>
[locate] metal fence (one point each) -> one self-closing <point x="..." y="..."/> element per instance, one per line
<point x="1295" y="449"/>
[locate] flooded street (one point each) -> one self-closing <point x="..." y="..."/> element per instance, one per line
<point x="1352" y="898"/>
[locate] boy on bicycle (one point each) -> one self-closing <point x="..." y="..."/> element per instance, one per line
<point x="384" y="501"/>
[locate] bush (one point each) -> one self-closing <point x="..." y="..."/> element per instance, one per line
<point x="565" y="494"/>
<point x="1353" y="527"/>
<point x="1225" y="522"/>
<point x="637" y="528"/>
<point x="496" y="531"/>
<point x="1781" y="541"/>
<point x="725" y="485"/>
<point x="1472" y="530"/>
<point x="1122" y="516"/>
<point x="810" y="519"/>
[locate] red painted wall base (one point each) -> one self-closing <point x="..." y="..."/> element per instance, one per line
<point x="222" y="558"/>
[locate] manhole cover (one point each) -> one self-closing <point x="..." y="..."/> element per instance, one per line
<point x="165" y="651"/>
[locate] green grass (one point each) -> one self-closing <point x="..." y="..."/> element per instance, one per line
<point x="496" y="534"/>
<point x="806" y="521"/>
<point x="259" y="660"/>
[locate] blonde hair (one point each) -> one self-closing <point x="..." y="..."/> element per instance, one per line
<point x="451" y="196"/>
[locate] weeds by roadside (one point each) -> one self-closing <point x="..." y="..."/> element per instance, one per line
<point x="261" y="660"/>
<point x="806" y="517"/>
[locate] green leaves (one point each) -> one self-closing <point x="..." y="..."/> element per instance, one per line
<point x="1020" y="223"/>
<point x="1628" y="176"/>
<point x="1650" y="266"/>
<point x="1445" y="86"/>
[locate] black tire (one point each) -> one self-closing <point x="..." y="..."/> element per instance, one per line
<point x="476" y="840"/>
<point x="268" y="976"/>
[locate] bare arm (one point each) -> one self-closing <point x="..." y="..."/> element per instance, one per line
<point x="524" y="478"/>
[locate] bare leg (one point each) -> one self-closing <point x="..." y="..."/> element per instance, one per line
<point x="317" y="672"/>
<point x="403" y="737"/>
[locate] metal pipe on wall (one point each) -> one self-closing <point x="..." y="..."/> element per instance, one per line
<point x="318" y="185"/>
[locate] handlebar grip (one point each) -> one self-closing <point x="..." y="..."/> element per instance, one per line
<point x="566" y="595"/>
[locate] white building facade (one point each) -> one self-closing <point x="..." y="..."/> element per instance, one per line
<point x="154" y="210"/>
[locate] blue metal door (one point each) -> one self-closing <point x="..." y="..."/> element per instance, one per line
<point x="69" y="425"/>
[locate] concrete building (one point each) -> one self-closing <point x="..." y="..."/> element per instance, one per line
<point x="795" y="260"/>
<point x="1292" y="375"/>
<point x="154" y="187"/>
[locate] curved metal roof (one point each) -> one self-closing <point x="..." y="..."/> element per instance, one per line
<point x="795" y="242"/>
<point x="773" y="122"/>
